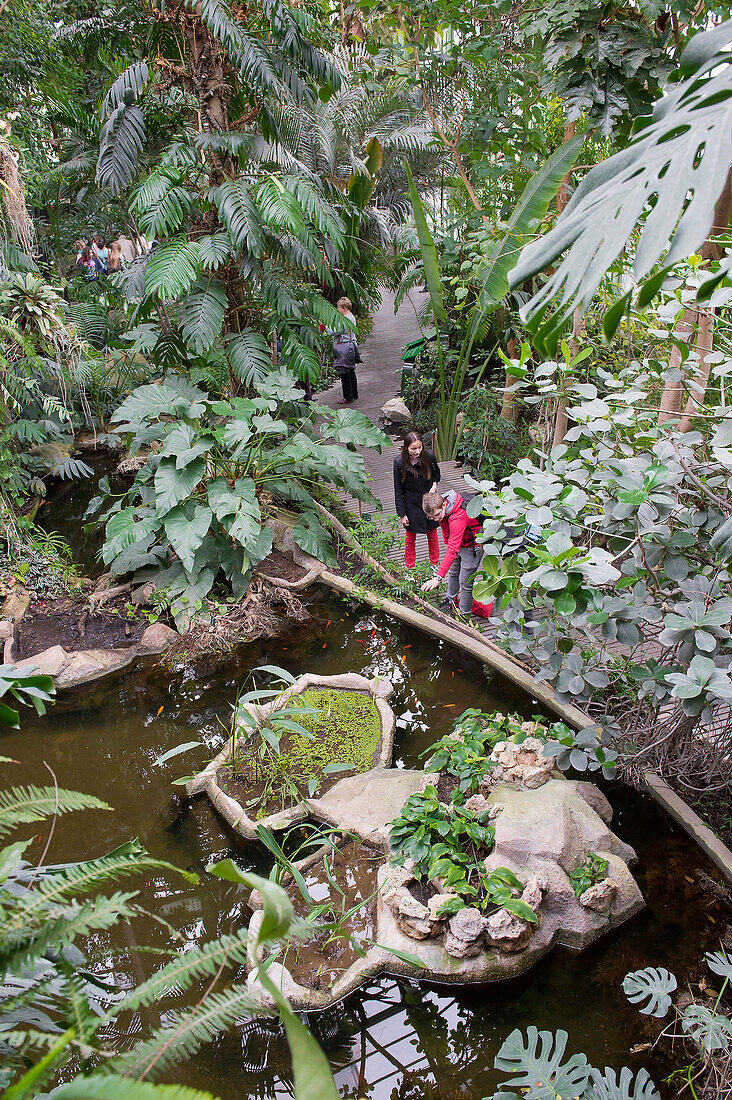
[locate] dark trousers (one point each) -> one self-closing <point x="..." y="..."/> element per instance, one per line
<point x="349" y="384"/>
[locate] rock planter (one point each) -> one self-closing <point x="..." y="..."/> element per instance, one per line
<point x="218" y="775"/>
<point x="326" y="968"/>
<point x="541" y="835"/>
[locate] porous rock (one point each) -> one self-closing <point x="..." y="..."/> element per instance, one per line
<point x="396" y="411"/>
<point x="507" y="932"/>
<point x="465" y="930"/>
<point x="600" y="896"/>
<point x="521" y="765"/>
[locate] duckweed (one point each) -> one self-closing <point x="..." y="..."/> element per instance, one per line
<point x="345" y="731"/>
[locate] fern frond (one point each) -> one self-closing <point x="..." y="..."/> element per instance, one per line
<point x="200" y="962"/>
<point x="22" y="942"/>
<point x="186" y="1032"/>
<point x="78" y="878"/>
<point x="19" y="805"/>
<point x="104" y="1086"/>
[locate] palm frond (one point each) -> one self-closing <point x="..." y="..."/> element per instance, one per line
<point x="127" y="86"/>
<point x="172" y="268"/>
<point x="123" y="136"/>
<point x="201" y="313"/>
<point x="249" y="356"/>
<point x="240" y="215"/>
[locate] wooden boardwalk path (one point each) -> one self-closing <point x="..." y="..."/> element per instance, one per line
<point x="379" y="378"/>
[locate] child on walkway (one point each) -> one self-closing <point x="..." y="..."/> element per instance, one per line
<point x="463" y="552"/>
<point x="415" y="473"/>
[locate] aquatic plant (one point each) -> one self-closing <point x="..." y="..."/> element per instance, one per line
<point x="450" y="843"/>
<point x="465" y="752"/>
<point x="284" y="755"/>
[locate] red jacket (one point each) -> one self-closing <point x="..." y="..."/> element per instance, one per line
<point x="458" y="529"/>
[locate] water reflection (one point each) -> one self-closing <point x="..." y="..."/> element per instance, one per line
<point x="394" y="1040"/>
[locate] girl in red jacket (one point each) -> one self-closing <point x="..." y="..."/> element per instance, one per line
<point x="463" y="552"/>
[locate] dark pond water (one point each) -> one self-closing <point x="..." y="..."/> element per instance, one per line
<point x="394" y="1039"/>
<point x="64" y="510"/>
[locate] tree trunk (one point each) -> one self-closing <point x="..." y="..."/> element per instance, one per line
<point x="508" y="404"/>
<point x="704" y="342"/>
<point x="672" y="397"/>
<point x="563" y="193"/>
<point x="209" y="81"/>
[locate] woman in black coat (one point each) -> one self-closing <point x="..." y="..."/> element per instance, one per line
<point x="415" y="473"/>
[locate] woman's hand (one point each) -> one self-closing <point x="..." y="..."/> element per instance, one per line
<point x="430" y="584"/>
<point x="405" y="521"/>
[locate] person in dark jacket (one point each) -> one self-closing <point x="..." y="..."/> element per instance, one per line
<point x="345" y="354"/>
<point x="463" y="552"/>
<point x="415" y="473"/>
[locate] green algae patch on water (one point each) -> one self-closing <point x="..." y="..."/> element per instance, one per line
<point x="342" y="737"/>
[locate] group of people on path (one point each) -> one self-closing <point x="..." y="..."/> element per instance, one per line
<point x="423" y="511"/>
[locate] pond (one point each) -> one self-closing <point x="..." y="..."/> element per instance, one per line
<point x="396" y="1038"/>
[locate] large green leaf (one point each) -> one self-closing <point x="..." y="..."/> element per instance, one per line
<point x="201" y="313"/>
<point x="172" y="268"/>
<point x="606" y="1086"/>
<point x="125" y="528"/>
<point x="668" y="178"/>
<point x="429" y="251"/>
<point x="173" y="485"/>
<point x="186" y="527"/>
<point x="530" y="209"/>
<point x="710" y="1030"/>
<point x="361" y="184"/>
<point x="350" y="426"/>
<point x="536" y="1065"/>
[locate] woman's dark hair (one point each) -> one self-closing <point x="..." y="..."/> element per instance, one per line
<point x="86" y="254"/>
<point x="423" y="466"/>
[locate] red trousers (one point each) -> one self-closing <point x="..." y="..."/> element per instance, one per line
<point x="410" y="548"/>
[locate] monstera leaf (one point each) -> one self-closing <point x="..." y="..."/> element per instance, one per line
<point x="719" y="963"/>
<point x="710" y="1030"/>
<point x="653" y="986"/>
<point x="669" y="178"/>
<point x="536" y="1065"/>
<point x="606" y="1086"/>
